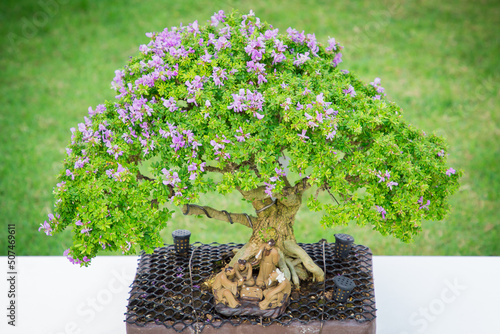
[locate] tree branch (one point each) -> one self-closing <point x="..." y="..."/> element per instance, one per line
<point x="287" y="183"/>
<point x="213" y="169"/>
<point x="256" y="194"/>
<point x="240" y="218"/>
<point x="299" y="187"/>
<point x="144" y="177"/>
<point x="259" y="194"/>
<point x="331" y="195"/>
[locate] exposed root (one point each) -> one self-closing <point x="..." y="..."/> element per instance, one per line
<point x="294" y="262"/>
<point x="295" y="278"/>
<point x="283" y="265"/>
<point x="242" y="253"/>
<point x="301" y="272"/>
<point x="296" y="250"/>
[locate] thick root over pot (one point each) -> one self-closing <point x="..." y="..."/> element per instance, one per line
<point x="297" y="252"/>
<point x="294" y="262"/>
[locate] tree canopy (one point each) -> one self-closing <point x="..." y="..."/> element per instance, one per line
<point x="237" y="98"/>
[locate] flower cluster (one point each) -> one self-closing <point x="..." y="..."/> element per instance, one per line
<point x="380" y="90"/>
<point x="46" y="226"/>
<point x="382" y="211"/>
<point x="119" y="174"/>
<point x="383" y="177"/>
<point x="450" y="171"/>
<point x="349" y="91"/>
<point x="423" y="206"/>
<point x="249" y="100"/>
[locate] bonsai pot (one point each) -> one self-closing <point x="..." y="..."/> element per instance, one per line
<point x="171" y="294"/>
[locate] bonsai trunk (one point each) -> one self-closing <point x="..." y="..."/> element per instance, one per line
<point x="275" y="219"/>
<point x="276" y="222"/>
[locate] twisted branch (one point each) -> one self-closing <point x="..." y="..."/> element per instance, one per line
<point x="240" y="218"/>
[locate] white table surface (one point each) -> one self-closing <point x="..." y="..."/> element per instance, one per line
<point x="413" y="295"/>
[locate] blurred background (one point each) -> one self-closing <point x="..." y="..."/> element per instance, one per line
<point x="439" y="60"/>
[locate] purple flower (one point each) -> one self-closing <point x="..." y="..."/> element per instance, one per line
<point x="277" y="54"/>
<point x="256" y="48"/>
<point x="259" y="116"/>
<point x="117" y="82"/>
<point x="279" y="171"/>
<point x="312" y="44"/>
<point x="303" y="135"/>
<point x="382" y="211"/>
<point x="391" y="184"/>
<point x="270" y="34"/>
<point x="206" y="58"/>
<point x="250" y="100"/>
<point x="269" y="189"/>
<point x="375" y="82"/>
<point x="222" y="43"/>
<point x="331" y="134"/>
<point x="80" y="163"/>
<point x="69" y="173"/>
<point x="219" y="75"/>
<point x="120" y="169"/>
<point x="337" y="59"/>
<point x="242" y="137"/>
<point x="440" y="153"/>
<point x="450" y="171"/>
<point x="46" y="227"/>
<point x="171" y="178"/>
<point x="109" y="173"/>
<point x="191" y="168"/>
<point x="350" y="91"/>
<point x="296" y="36"/>
<point x="331" y="45"/>
<point x="258" y="69"/>
<point x="301" y="59"/>
<point x="286" y="104"/>
<point x="194" y="28"/>
<point x="217" y="17"/>
<point x="382" y="177"/>
<point x="70" y="258"/>
<point x="425" y="206"/>
<point x="194" y="87"/>
<point x="170" y="104"/>
<point x="177" y="142"/>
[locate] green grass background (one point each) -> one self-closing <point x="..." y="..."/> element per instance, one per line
<point x="439" y="60"/>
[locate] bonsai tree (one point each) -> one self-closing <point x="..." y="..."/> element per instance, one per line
<point x="236" y="106"/>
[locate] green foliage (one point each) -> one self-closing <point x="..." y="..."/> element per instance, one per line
<point x="339" y="132"/>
